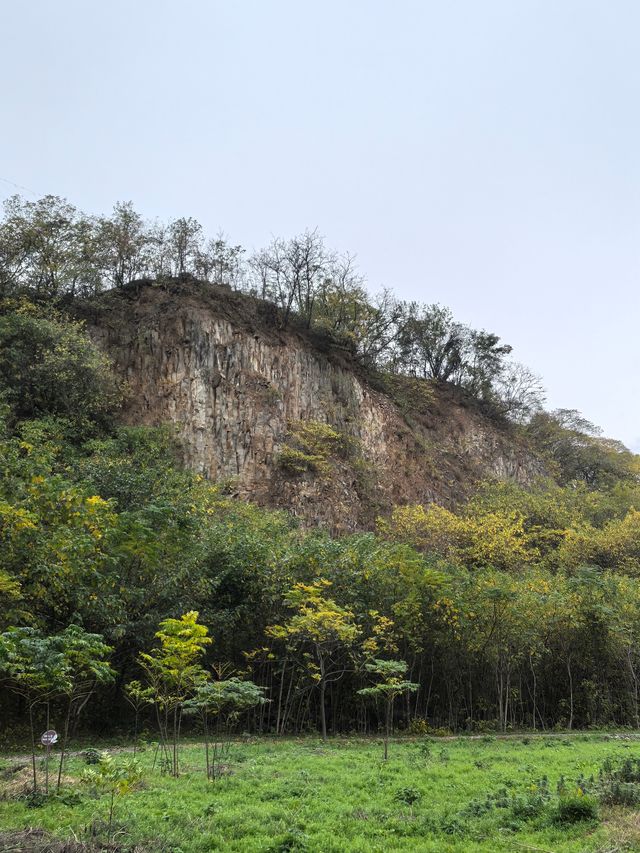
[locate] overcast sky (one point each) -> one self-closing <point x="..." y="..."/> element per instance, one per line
<point x="484" y="154"/>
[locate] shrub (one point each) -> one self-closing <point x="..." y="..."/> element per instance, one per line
<point x="619" y="785"/>
<point x="620" y="794"/>
<point x="409" y="796"/>
<point x="532" y="802"/>
<point x="49" y="366"/>
<point x="528" y="806"/>
<point x="311" y="445"/>
<point x="575" y="808"/>
<point x="298" y="462"/>
<point x="418" y="726"/>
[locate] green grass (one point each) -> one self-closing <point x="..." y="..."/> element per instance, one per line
<point x="301" y="794"/>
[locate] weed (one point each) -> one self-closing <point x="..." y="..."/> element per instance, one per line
<point x="575" y="808"/>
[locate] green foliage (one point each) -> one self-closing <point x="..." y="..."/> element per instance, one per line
<point x="113" y="778"/>
<point x="34" y="664"/>
<point x="48" y="366"/>
<point x="91" y="756"/>
<point x="519" y="608"/>
<point x="579" y="452"/>
<point x="173" y="673"/>
<point x="390" y="684"/>
<point x="223" y="702"/>
<point x="41" y="668"/>
<point x="575" y="808"/>
<point x="229" y="697"/>
<point x="431" y="344"/>
<point x="323" y="626"/>
<point x="409" y="796"/>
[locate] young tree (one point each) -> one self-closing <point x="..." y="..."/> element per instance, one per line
<point x="174" y="673"/>
<point x="114" y="779"/>
<point x="86" y="667"/>
<point x="223" y="701"/>
<point x="36" y="669"/>
<point x="290" y="273"/>
<point x="391" y="684"/>
<point x="220" y="262"/>
<point x="431" y="343"/>
<point x="323" y="627"/>
<point x="185" y="242"/>
<point x="520" y="392"/>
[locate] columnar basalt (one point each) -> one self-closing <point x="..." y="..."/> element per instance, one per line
<point x="233" y="384"/>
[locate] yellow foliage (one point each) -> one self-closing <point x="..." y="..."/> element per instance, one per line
<point x="494" y="538"/>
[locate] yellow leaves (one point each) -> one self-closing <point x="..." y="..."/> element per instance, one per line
<point x="316" y="619"/>
<point x="383" y="635"/>
<point x="278" y="632"/>
<point x="615" y="546"/>
<point x="490" y="538"/>
<point x="95" y="502"/>
<point x="14" y="520"/>
<point x="447" y="611"/>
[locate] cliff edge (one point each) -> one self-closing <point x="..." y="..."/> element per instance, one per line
<point x="286" y="419"/>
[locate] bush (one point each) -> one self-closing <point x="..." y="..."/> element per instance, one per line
<point x="311" y="445"/>
<point x="48" y="366"/>
<point x="527" y="807"/>
<point x="575" y="808"/>
<point x="91" y="756"/>
<point x="620" y="794"/>
<point x="418" y="726"/>
<point x="409" y="796"/>
<point x="619" y="785"/>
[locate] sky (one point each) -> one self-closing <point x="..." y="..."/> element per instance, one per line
<point x="484" y="155"/>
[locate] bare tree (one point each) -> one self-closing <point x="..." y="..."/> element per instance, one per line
<point x="520" y="392"/>
<point x="290" y="273"/>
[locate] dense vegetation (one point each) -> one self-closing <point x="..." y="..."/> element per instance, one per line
<point x="521" y="608"/>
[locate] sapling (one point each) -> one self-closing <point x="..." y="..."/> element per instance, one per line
<point x="86" y="666"/>
<point x="35" y="669"/>
<point x="174" y="673"/>
<point x="324" y="629"/>
<point x="222" y="701"/>
<point x="390" y="685"/>
<point x="114" y="779"/>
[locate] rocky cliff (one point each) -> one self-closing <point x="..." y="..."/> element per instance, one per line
<point x="285" y="420"/>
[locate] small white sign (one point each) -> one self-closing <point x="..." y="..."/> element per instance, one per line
<point x="49" y="738"/>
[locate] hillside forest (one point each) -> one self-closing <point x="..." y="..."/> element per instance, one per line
<point x="136" y="594"/>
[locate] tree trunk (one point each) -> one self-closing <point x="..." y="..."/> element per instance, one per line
<point x="33" y="748"/>
<point x="323" y="714"/>
<point x="634" y="678"/>
<point x="387" y="727"/>
<point x="535" y="687"/>
<point x="570" y="674"/>
<point x="64" y="743"/>
<point x="280" y="692"/>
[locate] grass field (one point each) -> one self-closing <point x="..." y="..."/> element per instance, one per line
<point x="460" y="794"/>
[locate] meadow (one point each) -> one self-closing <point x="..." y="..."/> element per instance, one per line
<point x="480" y="795"/>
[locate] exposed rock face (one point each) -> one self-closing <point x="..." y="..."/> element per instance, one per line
<point x="213" y="365"/>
